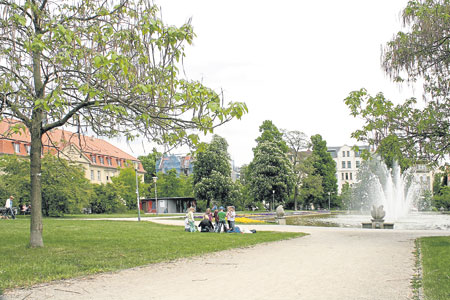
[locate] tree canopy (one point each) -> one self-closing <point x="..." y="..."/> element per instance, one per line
<point x="212" y="173"/>
<point x="110" y="67"/>
<point x="420" y="52"/>
<point x="325" y="167"/>
<point x="270" y="172"/>
<point x="270" y="133"/>
<point x="297" y="142"/>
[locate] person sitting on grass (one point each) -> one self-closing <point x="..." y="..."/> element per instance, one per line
<point x="206" y="225"/>
<point x="191" y="219"/>
<point x="187" y="228"/>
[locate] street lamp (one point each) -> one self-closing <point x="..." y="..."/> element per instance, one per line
<point x="156" y="194"/>
<point x="273" y="199"/>
<point x="137" y="191"/>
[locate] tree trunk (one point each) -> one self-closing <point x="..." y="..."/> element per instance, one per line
<point x="295" y="197"/>
<point x="37" y="117"/>
<point x="36" y="226"/>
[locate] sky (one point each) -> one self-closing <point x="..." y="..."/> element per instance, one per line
<point x="292" y="62"/>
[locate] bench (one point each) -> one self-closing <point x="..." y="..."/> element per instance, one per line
<point x="4" y="212"/>
<point x="87" y="210"/>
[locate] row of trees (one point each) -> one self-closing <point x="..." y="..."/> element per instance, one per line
<point x="282" y="171"/>
<point x="65" y="190"/>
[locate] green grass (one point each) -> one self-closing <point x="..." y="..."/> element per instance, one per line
<point x="76" y="247"/>
<point x="116" y="215"/>
<point x="435" y="254"/>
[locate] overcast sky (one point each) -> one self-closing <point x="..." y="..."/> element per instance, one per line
<point x="292" y="62"/>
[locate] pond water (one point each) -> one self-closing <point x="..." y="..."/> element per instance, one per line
<point x="412" y="221"/>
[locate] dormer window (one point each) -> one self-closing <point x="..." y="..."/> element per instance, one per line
<point x="119" y="162"/>
<point x="108" y="160"/>
<point x="94" y="159"/>
<point x="102" y="160"/>
<point x="28" y="148"/>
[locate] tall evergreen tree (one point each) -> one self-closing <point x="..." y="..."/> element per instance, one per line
<point x="325" y="167"/>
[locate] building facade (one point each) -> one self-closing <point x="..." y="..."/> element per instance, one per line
<point x="183" y="164"/>
<point x="100" y="160"/>
<point x="348" y="162"/>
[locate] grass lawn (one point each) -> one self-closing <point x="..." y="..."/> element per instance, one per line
<point x="435" y="253"/>
<point x="128" y="214"/>
<point x="76" y="247"/>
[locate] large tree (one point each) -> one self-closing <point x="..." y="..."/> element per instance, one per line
<point x="271" y="133"/>
<point x="298" y="142"/>
<point x="107" y="66"/>
<point x="270" y="172"/>
<point x="325" y="167"/>
<point x="64" y="187"/>
<point x="271" y="175"/>
<point x="125" y="184"/>
<point x="419" y="53"/>
<point x="212" y="173"/>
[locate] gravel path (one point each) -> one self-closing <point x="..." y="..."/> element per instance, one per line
<point x="330" y="263"/>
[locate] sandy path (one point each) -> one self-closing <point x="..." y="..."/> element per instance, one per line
<point x="330" y="263"/>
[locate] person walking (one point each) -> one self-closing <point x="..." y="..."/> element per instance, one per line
<point x="9" y="206"/>
<point x="222" y="220"/>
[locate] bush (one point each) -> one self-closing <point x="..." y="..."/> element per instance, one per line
<point x="106" y="199"/>
<point x="443" y="198"/>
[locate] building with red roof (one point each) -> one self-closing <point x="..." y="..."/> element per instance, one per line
<point x="100" y="159"/>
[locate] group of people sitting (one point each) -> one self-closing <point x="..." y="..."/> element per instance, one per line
<point x="222" y="221"/>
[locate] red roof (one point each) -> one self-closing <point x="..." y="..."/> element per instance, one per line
<point x="59" y="138"/>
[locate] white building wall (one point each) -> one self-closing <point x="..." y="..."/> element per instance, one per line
<point x="347" y="165"/>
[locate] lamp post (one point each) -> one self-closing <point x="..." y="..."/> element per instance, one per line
<point x="273" y="199"/>
<point x="156" y="194"/>
<point x="137" y="192"/>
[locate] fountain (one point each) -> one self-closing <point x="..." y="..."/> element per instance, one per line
<point x="397" y="192"/>
<point x="378" y="219"/>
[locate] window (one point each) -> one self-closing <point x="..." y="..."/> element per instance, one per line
<point x="92" y="174"/>
<point x="28" y="148"/>
<point x="348" y="153"/>
<point x="343" y="176"/>
<point x="119" y="162"/>
<point x="102" y="160"/>
<point x="343" y="153"/>
<point x="358" y="164"/>
<point x="108" y="160"/>
<point x="343" y="165"/>
<point x="351" y="176"/>
<point x="349" y="164"/>
<point x="99" y="176"/>
<point x="94" y="159"/>
<point x="16" y="147"/>
<point x="346" y="176"/>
